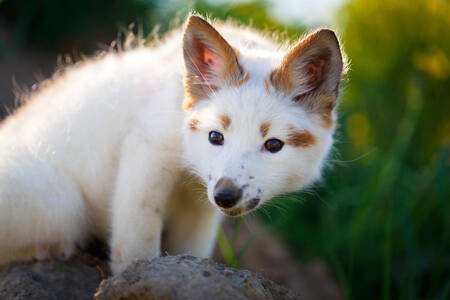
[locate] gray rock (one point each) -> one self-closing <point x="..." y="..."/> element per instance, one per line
<point x="188" y="277"/>
<point x="170" y="277"/>
<point x="48" y="280"/>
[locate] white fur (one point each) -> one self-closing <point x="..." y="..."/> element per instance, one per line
<point x="105" y="150"/>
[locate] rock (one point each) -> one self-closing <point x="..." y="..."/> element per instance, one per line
<point x="188" y="277"/>
<point x="69" y="280"/>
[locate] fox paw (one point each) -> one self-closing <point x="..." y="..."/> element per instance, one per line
<point x="58" y="251"/>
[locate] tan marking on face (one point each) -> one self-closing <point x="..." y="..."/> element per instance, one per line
<point x="193" y="124"/>
<point x="188" y="102"/>
<point x="243" y="80"/>
<point x="299" y="138"/>
<point x="267" y="85"/>
<point x="264" y="129"/>
<point x="327" y="120"/>
<point x="225" y="120"/>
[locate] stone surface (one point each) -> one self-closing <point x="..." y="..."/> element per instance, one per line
<point x="188" y="277"/>
<point x="70" y="280"/>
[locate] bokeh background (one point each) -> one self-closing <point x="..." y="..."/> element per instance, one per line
<point x="380" y="219"/>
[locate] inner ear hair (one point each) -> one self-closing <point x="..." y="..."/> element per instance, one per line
<point x="311" y="71"/>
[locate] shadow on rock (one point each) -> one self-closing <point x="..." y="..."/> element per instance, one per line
<point x="75" y="279"/>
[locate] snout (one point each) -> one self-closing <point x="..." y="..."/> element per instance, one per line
<point x="226" y="193"/>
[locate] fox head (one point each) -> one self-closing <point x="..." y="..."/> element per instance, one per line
<point x="258" y="123"/>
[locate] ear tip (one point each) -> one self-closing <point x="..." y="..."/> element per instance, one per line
<point x="326" y="36"/>
<point x="326" y="33"/>
<point x="194" y="19"/>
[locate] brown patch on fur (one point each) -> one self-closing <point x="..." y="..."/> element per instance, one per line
<point x="193" y="124"/>
<point x="201" y="39"/>
<point x="266" y="84"/>
<point x="300" y="138"/>
<point x="327" y="120"/>
<point x="242" y="80"/>
<point x="225" y="120"/>
<point x="189" y="102"/>
<point x="325" y="104"/>
<point x="264" y="129"/>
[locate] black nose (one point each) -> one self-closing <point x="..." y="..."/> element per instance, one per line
<point x="226" y="193"/>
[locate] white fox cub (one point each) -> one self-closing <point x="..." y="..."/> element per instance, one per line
<point x="109" y="147"/>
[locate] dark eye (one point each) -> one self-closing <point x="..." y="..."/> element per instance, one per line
<point x="273" y="145"/>
<point x="216" y="138"/>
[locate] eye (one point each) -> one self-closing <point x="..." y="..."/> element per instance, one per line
<point x="273" y="145"/>
<point x="216" y="138"/>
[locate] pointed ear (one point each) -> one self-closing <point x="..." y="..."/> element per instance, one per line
<point x="210" y="61"/>
<point x="311" y="71"/>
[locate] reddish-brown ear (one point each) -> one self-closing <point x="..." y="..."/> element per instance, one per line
<point x="210" y="61"/>
<point x="311" y="71"/>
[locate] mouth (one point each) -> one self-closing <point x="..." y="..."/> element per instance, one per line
<point x="234" y="212"/>
<point x="240" y="211"/>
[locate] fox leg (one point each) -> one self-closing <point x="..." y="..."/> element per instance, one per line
<point x="145" y="178"/>
<point x="192" y="225"/>
<point x="42" y="212"/>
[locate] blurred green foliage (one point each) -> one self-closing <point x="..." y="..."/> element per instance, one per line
<point x="65" y="25"/>
<point x="381" y="216"/>
<point x="255" y="14"/>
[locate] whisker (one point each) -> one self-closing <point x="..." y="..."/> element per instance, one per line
<point x="352" y="160"/>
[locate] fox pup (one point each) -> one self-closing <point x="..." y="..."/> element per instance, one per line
<point x="109" y="147"/>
